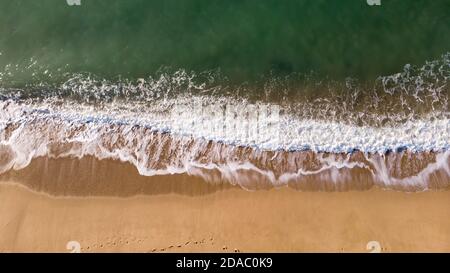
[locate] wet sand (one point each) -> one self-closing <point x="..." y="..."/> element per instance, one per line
<point x="225" y="220"/>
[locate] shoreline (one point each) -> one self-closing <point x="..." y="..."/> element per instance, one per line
<point x="90" y="176"/>
<point x="276" y="220"/>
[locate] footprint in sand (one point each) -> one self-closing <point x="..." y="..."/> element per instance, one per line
<point x="115" y="241"/>
<point x="202" y="241"/>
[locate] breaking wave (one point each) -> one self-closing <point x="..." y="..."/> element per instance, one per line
<point x="296" y="130"/>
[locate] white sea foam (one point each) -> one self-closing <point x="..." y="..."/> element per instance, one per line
<point x="116" y="132"/>
<point x="261" y="126"/>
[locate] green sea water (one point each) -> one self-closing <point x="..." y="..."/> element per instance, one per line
<point x="147" y="82"/>
<point x="245" y="39"/>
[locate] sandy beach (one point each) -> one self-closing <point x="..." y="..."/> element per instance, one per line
<point x="224" y="126"/>
<point x="229" y="220"/>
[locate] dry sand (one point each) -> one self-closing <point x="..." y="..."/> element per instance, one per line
<point x="226" y="220"/>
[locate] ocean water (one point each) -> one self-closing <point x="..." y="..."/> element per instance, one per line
<point x="253" y="93"/>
